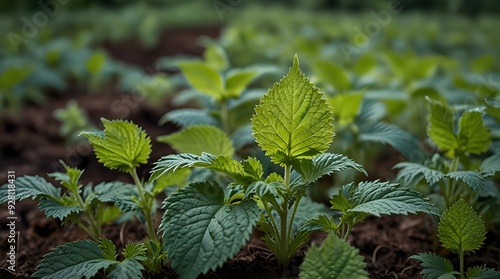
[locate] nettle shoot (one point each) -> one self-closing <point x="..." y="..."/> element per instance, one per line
<point x="207" y="223"/>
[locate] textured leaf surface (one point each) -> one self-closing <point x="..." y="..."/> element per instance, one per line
<point x="473" y="135"/>
<point x="118" y="193"/>
<point x="30" y="187"/>
<point x="434" y="266"/>
<point x="203" y="78"/>
<point x="461" y="229"/>
<point x="52" y="208"/>
<point x="482" y="273"/>
<point x="188" y="117"/>
<point x="412" y="172"/>
<point x="73" y="260"/>
<point x="198" y="139"/>
<point x="311" y="170"/>
<point x="293" y="120"/>
<point x="334" y="259"/>
<point x="379" y="198"/>
<point x="471" y="178"/>
<point x="441" y="126"/>
<point x="201" y="231"/>
<point x="127" y="269"/>
<point x="122" y="145"/>
<point x="490" y="165"/>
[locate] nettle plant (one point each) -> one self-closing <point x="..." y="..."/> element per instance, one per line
<point x="461" y="231"/>
<point x="207" y="223"/>
<point x="457" y="173"/>
<point x="121" y="146"/>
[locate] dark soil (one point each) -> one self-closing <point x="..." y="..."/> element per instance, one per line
<point x="30" y="144"/>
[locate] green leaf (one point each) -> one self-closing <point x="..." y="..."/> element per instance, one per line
<point x="334" y="259"/>
<point x="73" y="260"/>
<point x="265" y="190"/>
<point x="238" y="80"/>
<point x="96" y="62"/>
<point x="108" y="249"/>
<point x="13" y="76"/>
<point x="30" y="187"/>
<point x="122" y="145"/>
<point x="320" y="222"/>
<point x="188" y="117"/>
<point x="345" y="107"/>
<point x="215" y="57"/>
<point x="332" y="74"/>
<point x="441" y="127"/>
<point x="471" y="178"/>
<point x="128" y="269"/>
<point x="490" y="165"/>
<point x="293" y="120"/>
<point x="474" y="136"/>
<point x="203" y="78"/>
<point x="477" y="272"/>
<point x="377" y="198"/>
<point x="411" y="172"/>
<point x="201" y="231"/>
<point x="198" y="139"/>
<point x="52" y="208"/>
<point x="461" y="229"/>
<point x="435" y="266"/>
<point x="118" y="193"/>
<point x="135" y="251"/>
<point x="253" y="167"/>
<point x="311" y="170"/>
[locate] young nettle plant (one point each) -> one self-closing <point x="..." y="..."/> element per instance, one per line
<point x="461" y="231"/>
<point x="206" y="223"/>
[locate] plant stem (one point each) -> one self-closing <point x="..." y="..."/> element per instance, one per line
<point x="461" y="256"/>
<point x="294" y="211"/>
<point x="95" y="229"/>
<point x="146" y="207"/>
<point x="224" y="115"/>
<point x="284" y="240"/>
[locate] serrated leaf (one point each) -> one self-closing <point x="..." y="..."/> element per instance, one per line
<point x="477" y="272"/>
<point x="379" y="198"/>
<point x="263" y="189"/>
<point x="73" y="260"/>
<point x="201" y="231"/>
<point x="238" y="80"/>
<point x="118" y="193"/>
<point x="461" y="229"/>
<point x="200" y="138"/>
<point x="441" y="127"/>
<point x="471" y="178"/>
<point x="334" y="259"/>
<point x="474" y="136"/>
<point x="385" y="133"/>
<point x="30" y="187"/>
<point x="127" y="269"/>
<point x="311" y="170"/>
<point x="188" y="117"/>
<point x="108" y="249"/>
<point x="52" y="208"/>
<point x="293" y="120"/>
<point x="490" y="165"/>
<point x="253" y="167"/>
<point x="135" y="251"/>
<point x="320" y="222"/>
<point x="411" y="172"/>
<point x="122" y="145"/>
<point x="434" y="266"/>
<point x="203" y="78"/>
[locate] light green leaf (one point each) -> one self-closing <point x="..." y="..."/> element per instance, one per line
<point x="412" y="172"/>
<point x="178" y="178"/>
<point x="188" y="117"/>
<point x="461" y="229"/>
<point x="471" y="178"/>
<point x="293" y="120"/>
<point x="73" y="260"/>
<point x="52" y="208"/>
<point x="13" y="76"/>
<point x="345" y="107"/>
<point x="264" y="190"/>
<point x="334" y="259"/>
<point x="474" y="136"/>
<point x="441" y="127"/>
<point x="201" y="231"/>
<point x="135" y="251"/>
<point x="96" y="62"/>
<point x="30" y="187"/>
<point x="122" y="145"/>
<point x="320" y="223"/>
<point x="238" y="80"/>
<point x="377" y="198"/>
<point x="477" y="272"/>
<point x="216" y="57"/>
<point x="435" y="266"/>
<point x="311" y="170"/>
<point x="108" y="249"/>
<point x="482" y="64"/>
<point x="118" y="193"/>
<point x="253" y="167"/>
<point x="332" y="74"/>
<point x="490" y="165"/>
<point x="203" y="78"/>
<point x="127" y="269"/>
<point x="200" y="138"/>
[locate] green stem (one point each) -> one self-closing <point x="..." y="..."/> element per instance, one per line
<point x="146" y="207"/>
<point x="95" y="229"/>
<point x="461" y="255"/>
<point x="273" y="221"/>
<point x="224" y="115"/>
<point x="294" y="211"/>
<point x="284" y="240"/>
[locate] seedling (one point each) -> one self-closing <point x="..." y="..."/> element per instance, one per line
<point x="461" y="231"/>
